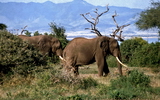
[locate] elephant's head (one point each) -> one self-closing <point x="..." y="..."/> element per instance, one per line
<point x="111" y="46"/>
<point x="50" y="45"/>
<point x="56" y="47"/>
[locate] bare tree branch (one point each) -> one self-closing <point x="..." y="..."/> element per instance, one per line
<point x="119" y="29"/>
<point x="95" y="21"/>
<point x="23" y="29"/>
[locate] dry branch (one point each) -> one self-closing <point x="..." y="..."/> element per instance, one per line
<point x="95" y="21"/>
<point x="119" y="29"/>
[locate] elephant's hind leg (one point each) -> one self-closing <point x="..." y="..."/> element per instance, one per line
<point x="75" y="70"/>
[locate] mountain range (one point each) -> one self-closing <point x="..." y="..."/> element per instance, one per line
<point x="38" y="16"/>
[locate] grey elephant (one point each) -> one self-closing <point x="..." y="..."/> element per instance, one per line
<point x="47" y="45"/>
<point x="82" y="51"/>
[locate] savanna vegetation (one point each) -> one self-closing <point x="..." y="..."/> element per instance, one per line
<point x="137" y="52"/>
<point x="25" y="74"/>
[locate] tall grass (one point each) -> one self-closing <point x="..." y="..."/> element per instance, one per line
<point x="49" y="84"/>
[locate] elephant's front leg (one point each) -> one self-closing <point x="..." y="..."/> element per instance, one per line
<point x="102" y="66"/>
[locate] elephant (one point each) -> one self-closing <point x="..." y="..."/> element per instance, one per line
<point x="47" y="45"/>
<point x="83" y="51"/>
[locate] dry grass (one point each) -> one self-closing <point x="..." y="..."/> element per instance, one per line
<point x="91" y="71"/>
<point x="35" y="86"/>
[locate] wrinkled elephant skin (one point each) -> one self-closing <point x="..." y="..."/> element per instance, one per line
<point x="82" y="51"/>
<point x="46" y="44"/>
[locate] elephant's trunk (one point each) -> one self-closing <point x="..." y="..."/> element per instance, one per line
<point x="121" y="62"/>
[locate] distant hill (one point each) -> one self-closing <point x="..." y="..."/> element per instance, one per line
<point x="38" y="15"/>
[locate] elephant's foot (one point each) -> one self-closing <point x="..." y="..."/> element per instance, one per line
<point x="106" y="74"/>
<point x="76" y="73"/>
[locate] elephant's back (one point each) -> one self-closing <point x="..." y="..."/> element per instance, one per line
<point x="80" y="44"/>
<point x="24" y="37"/>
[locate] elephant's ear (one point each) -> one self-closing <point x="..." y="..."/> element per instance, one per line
<point x="53" y="44"/>
<point x="41" y="44"/>
<point x="104" y="43"/>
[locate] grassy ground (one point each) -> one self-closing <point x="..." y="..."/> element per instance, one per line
<point x="92" y="72"/>
<point x="48" y="84"/>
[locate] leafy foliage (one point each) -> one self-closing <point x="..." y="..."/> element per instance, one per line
<point x="129" y="46"/>
<point x="37" y="33"/>
<point x="58" y="32"/>
<point x="150" y="17"/>
<point x="16" y="53"/>
<point x="138" y="79"/>
<point x="128" y="87"/>
<point x="27" y="33"/>
<point x="147" y="55"/>
<point x="111" y="61"/>
<point x="3" y="26"/>
<point x="137" y="52"/>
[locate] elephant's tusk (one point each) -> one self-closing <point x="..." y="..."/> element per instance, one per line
<point x="62" y="58"/>
<point x="121" y="62"/>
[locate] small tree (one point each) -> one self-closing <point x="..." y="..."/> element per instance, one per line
<point x="150" y="18"/>
<point x="27" y="33"/>
<point x="36" y="33"/>
<point x="3" y="26"/>
<point x="58" y="32"/>
<point x="45" y="33"/>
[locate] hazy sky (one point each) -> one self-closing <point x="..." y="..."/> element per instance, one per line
<point x="143" y="4"/>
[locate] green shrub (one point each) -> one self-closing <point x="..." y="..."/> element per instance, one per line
<point x="123" y="93"/>
<point x="147" y="55"/>
<point x="16" y="53"/>
<point x="128" y="87"/>
<point x="137" y="52"/>
<point x="129" y="46"/>
<point x="138" y="79"/>
<point x="58" y="31"/>
<point x="111" y="61"/>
